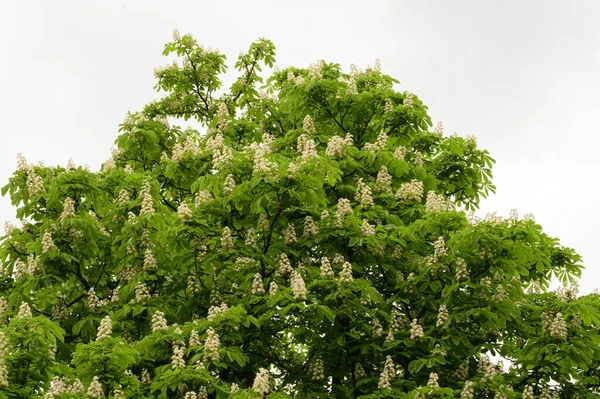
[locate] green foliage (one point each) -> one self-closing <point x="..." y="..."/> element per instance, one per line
<point x="307" y="242"/>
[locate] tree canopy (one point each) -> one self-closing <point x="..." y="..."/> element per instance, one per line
<point x="310" y="240"/>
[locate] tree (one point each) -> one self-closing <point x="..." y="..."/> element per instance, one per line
<point x="309" y="242"/>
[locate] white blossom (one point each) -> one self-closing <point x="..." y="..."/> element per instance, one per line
<point x="366" y="229"/>
<point x="24" y="311"/>
<point x="211" y="346"/>
<point x="95" y="389"/>
<point x="326" y="271"/>
<point x="68" y="209"/>
<point x="346" y="273"/>
<point x="149" y="260"/>
<point x="416" y="331"/>
<point x="159" y="322"/>
<point x="227" y="239"/>
<point x="298" y="286"/>
<point x="310" y="227"/>
<point x="105" y="329"/>
<point x="177" y="359"/>
<point x="184" y="211"/>
<point x="408" y="99"/>
<point x="202" y="197"/>
<point x="261" y="382"/>
<point x="387" y="374"/>
<point x="442" y="316"/>
<point x="410" y="191"/>
<point x="47" y="242"/>
<point x="228" y="185"/>
<point x="289" y="234"/>
<point x="147" y="205"/>
<point x="257" y="285"/>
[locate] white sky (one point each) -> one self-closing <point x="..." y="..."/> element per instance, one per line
<point x="519" y="75"/>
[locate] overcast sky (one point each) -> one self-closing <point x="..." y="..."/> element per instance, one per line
<point x="522" y="76"/>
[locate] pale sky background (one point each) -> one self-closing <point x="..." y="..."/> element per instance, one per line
<point x="521" y="75"/>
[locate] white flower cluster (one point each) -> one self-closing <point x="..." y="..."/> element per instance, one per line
<point x="24" y="311"/>
<point x="486" y="367"/>
<point x="202" y="197"/>
<point x="380" y="144"/>
<point x="317" y="370"/>
<point x="558" y="327"/>
<point x="389" y="106"/>
<point x="310" y="227"/>
<point x="68" y="209"/>
<point x="377" y="328"/>
<point x="263" y="222"/>
<point x="149" y="260"/>
<point x="439" y="129"/>
<point x="363" y="194"/>
<point x="222" y="115"/>
<point x="384" y="180"/>
<point x="105" y="329"/>
<point x="408" y="99"/>
<point x="315" y="71"/>
<point x="20" y="269"/>
<point x="47" y="242"/>
<point x="499" y="293"/>
<point x="250" y="238"/>
<point x="213" y="311"/>
<point x="184" y="211"/>
<point x="326" y="270"/>
<point x="567" y="293"/>
<point x="35" y="184"/>
<point x="462" y="274"/>
<point x="359" y="372"/>
<point x="436" y="203"/>
<point x="159" y="322"/>
<point x="468" y="391"/>
<point x="147" y="207"/>
<point x="308" y="148"/>
<point x="298" y="286"/>
<point x="141" y="292"/>
<point x="61" y="385"/>
<point x="297" y="80"/>
<point x="145" y="379"/>
<point x="346" y="274"/>
<point x="416" y="331"/>
<point x="433" y="381"/>
<point x="261" y="382"/>
<point x="211" y="346"/>
<point x="228" y="185"/>
<point x="343" y="209"/>
<point x="284" y="265"/>
<point x="257" y="285"/>
<point x="366" y="229"/>
<point x="419" y="159"/>
<point x="289" y="234"/>
<point x="194" y="338"/>
<point x="462" y="372"/>
<point x="528" y="392"/>
<point x="262" y="166"/>
<point x="221" y="154"/>
<point x="177" y="359"/>
<point x="439" y="248"/>
<point x="442" y="315"/>
<point x="410" y="191"/>
<point x="308" y="125"/>
<point x="227" y="239"/>
<point x="336" y="146"/>
<point x="273" y="288"/>
<point x="95" y="389"/>
<point x="400" y="153"/>
<point x="387" y="374"/>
